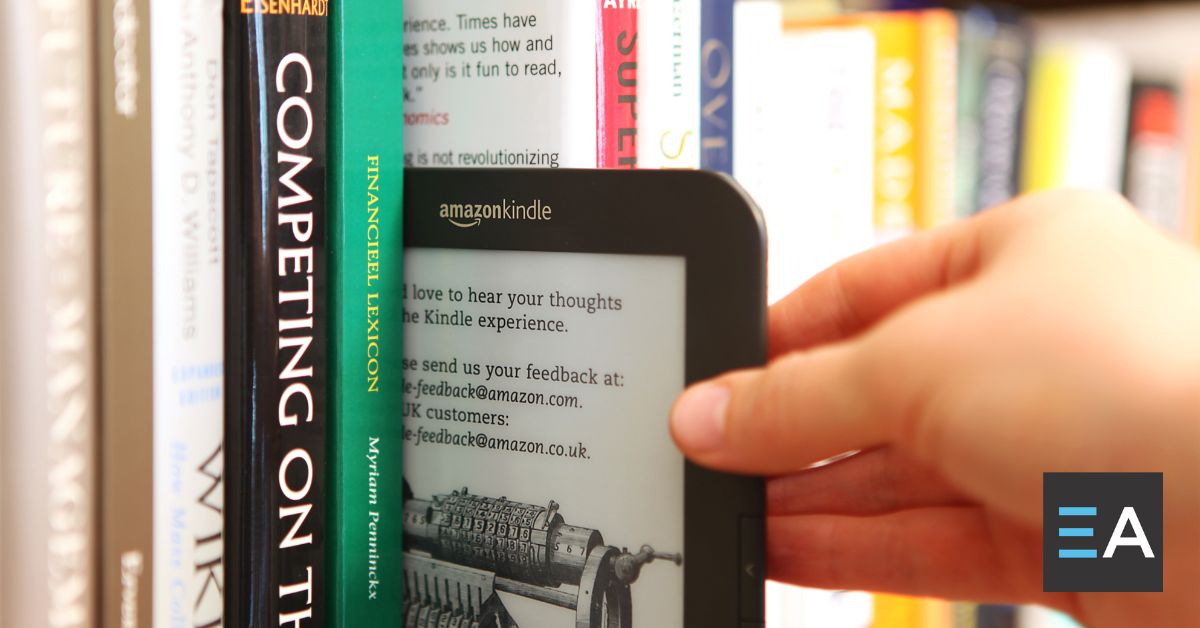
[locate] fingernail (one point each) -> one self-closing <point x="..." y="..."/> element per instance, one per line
<point x="699" y="418"/>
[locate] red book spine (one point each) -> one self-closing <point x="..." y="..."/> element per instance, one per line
<point x="616" y="84"/>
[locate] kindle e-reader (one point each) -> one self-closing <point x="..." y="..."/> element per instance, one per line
<point x="551" y="317"/>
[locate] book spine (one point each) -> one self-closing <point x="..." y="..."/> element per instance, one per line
<point x="966" y="615"/>
<point x="1005" y="87"/>
<point x="716" y="85"/>
<point x="126" y="314"/>
<point x="996" y="616"/>
<point x="896" y="611"/>
<point x="668" y="68"/>
<point x="188" y="424"/>
<point x="897" y="86"/>
<point x="616" y="84"/>
<point x="365" y="314"/>
<point x="275" y="465"/>
<point x="1154" y="169"/>
<point x="937" y="102"/>
<point x="1044" y="147"/>
<point x="47" y="320"/>
<point x="976" y="26"/>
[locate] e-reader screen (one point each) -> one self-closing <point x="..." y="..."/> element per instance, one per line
<point x="538" y="462"/>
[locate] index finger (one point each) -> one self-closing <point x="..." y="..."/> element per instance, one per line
<point x="853" y="295"/>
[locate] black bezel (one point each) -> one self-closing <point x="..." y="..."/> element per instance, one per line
<point x="701" y="216"/>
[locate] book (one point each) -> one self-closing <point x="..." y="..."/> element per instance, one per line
<point x="937" y="102"/>
<point x="1154" y="168"/>
<point x="825" y="154"/>
<point x="276" y="314"/>
<point x="188" y="313"/>
<point x="1002" y="114"/>
<point x="996" y="616"/>
<point x="716" y="85"/>
<point x="669" y="84"/>
<point x="1076" y="117"/>
<point x="48" y="395"/>
<point x="127" y="430"/>
<point x="757" y="37"/>
<point x="365" y="337"/>
<point x="976" y="29"/>
<point x="559" y="80"/>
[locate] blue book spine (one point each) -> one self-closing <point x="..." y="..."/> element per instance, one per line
<point x="716" y="85"/>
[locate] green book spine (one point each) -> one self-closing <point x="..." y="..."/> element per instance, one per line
<point x="366" y="585"/>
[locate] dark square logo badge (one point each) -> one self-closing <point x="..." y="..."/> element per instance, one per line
<point x="1102" y="532"/>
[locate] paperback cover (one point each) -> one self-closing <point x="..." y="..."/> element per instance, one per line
<point x="366" y="282"/>
<point x="524" y="83"/>
<point x="48" y="317"/>
<point x="276" y="300"/>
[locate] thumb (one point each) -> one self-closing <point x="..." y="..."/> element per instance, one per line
<point x="802" y="408"/>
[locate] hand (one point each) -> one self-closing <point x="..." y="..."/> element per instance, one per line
<point x="1057" y="333"/>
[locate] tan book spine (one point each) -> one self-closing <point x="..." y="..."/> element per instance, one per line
<point x="126" y="317"/>
<point x="47" y="322"/>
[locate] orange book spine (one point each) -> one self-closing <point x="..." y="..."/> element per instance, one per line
<point x="937" y="101"/>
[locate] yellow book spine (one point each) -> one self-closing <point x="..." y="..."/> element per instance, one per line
<point x="896" y="123"/>
<point x="1043" y="162"/>
<point x="937" y="102"/>
<point x="896" y="611"/>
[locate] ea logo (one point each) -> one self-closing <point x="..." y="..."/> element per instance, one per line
<point x="1113" y="517"/>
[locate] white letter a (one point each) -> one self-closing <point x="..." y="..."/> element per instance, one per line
<point x="1128" y="515"/>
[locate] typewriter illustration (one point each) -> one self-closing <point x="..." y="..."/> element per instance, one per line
<point x="461" y="549"/>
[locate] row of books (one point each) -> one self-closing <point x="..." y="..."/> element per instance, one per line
<point x="202" y="199"/>
<point x="868" y="125"/>
<point x="202" y="384"/>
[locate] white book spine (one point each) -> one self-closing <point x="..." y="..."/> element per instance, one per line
<point x="508" y="84"/>
<point x="188" y="301"/>
<point x="47" y="319"/>
<point x="1097" y="116"/>
<point x="669" y="84"/>
<point x="757" y="36"/>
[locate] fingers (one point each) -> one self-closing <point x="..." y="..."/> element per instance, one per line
<point x="854" y="294"/>
<point x="872" y="482"/>
<point x="802" y="408"/>
<point x="951" y="552"/>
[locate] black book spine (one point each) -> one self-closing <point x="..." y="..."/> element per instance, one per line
<point x="276" y="81"/>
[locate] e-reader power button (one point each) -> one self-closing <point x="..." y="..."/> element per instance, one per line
<point x="751" y="569"/>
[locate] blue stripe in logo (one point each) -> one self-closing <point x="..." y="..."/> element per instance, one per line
<point x="1077" y="511"/>
<point x="1075" y="531"/>
<point x="1076" y="553"/>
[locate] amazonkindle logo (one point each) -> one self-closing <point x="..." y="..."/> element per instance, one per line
<point x="467" y="215"/>
<point x="1102" y="532"/>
